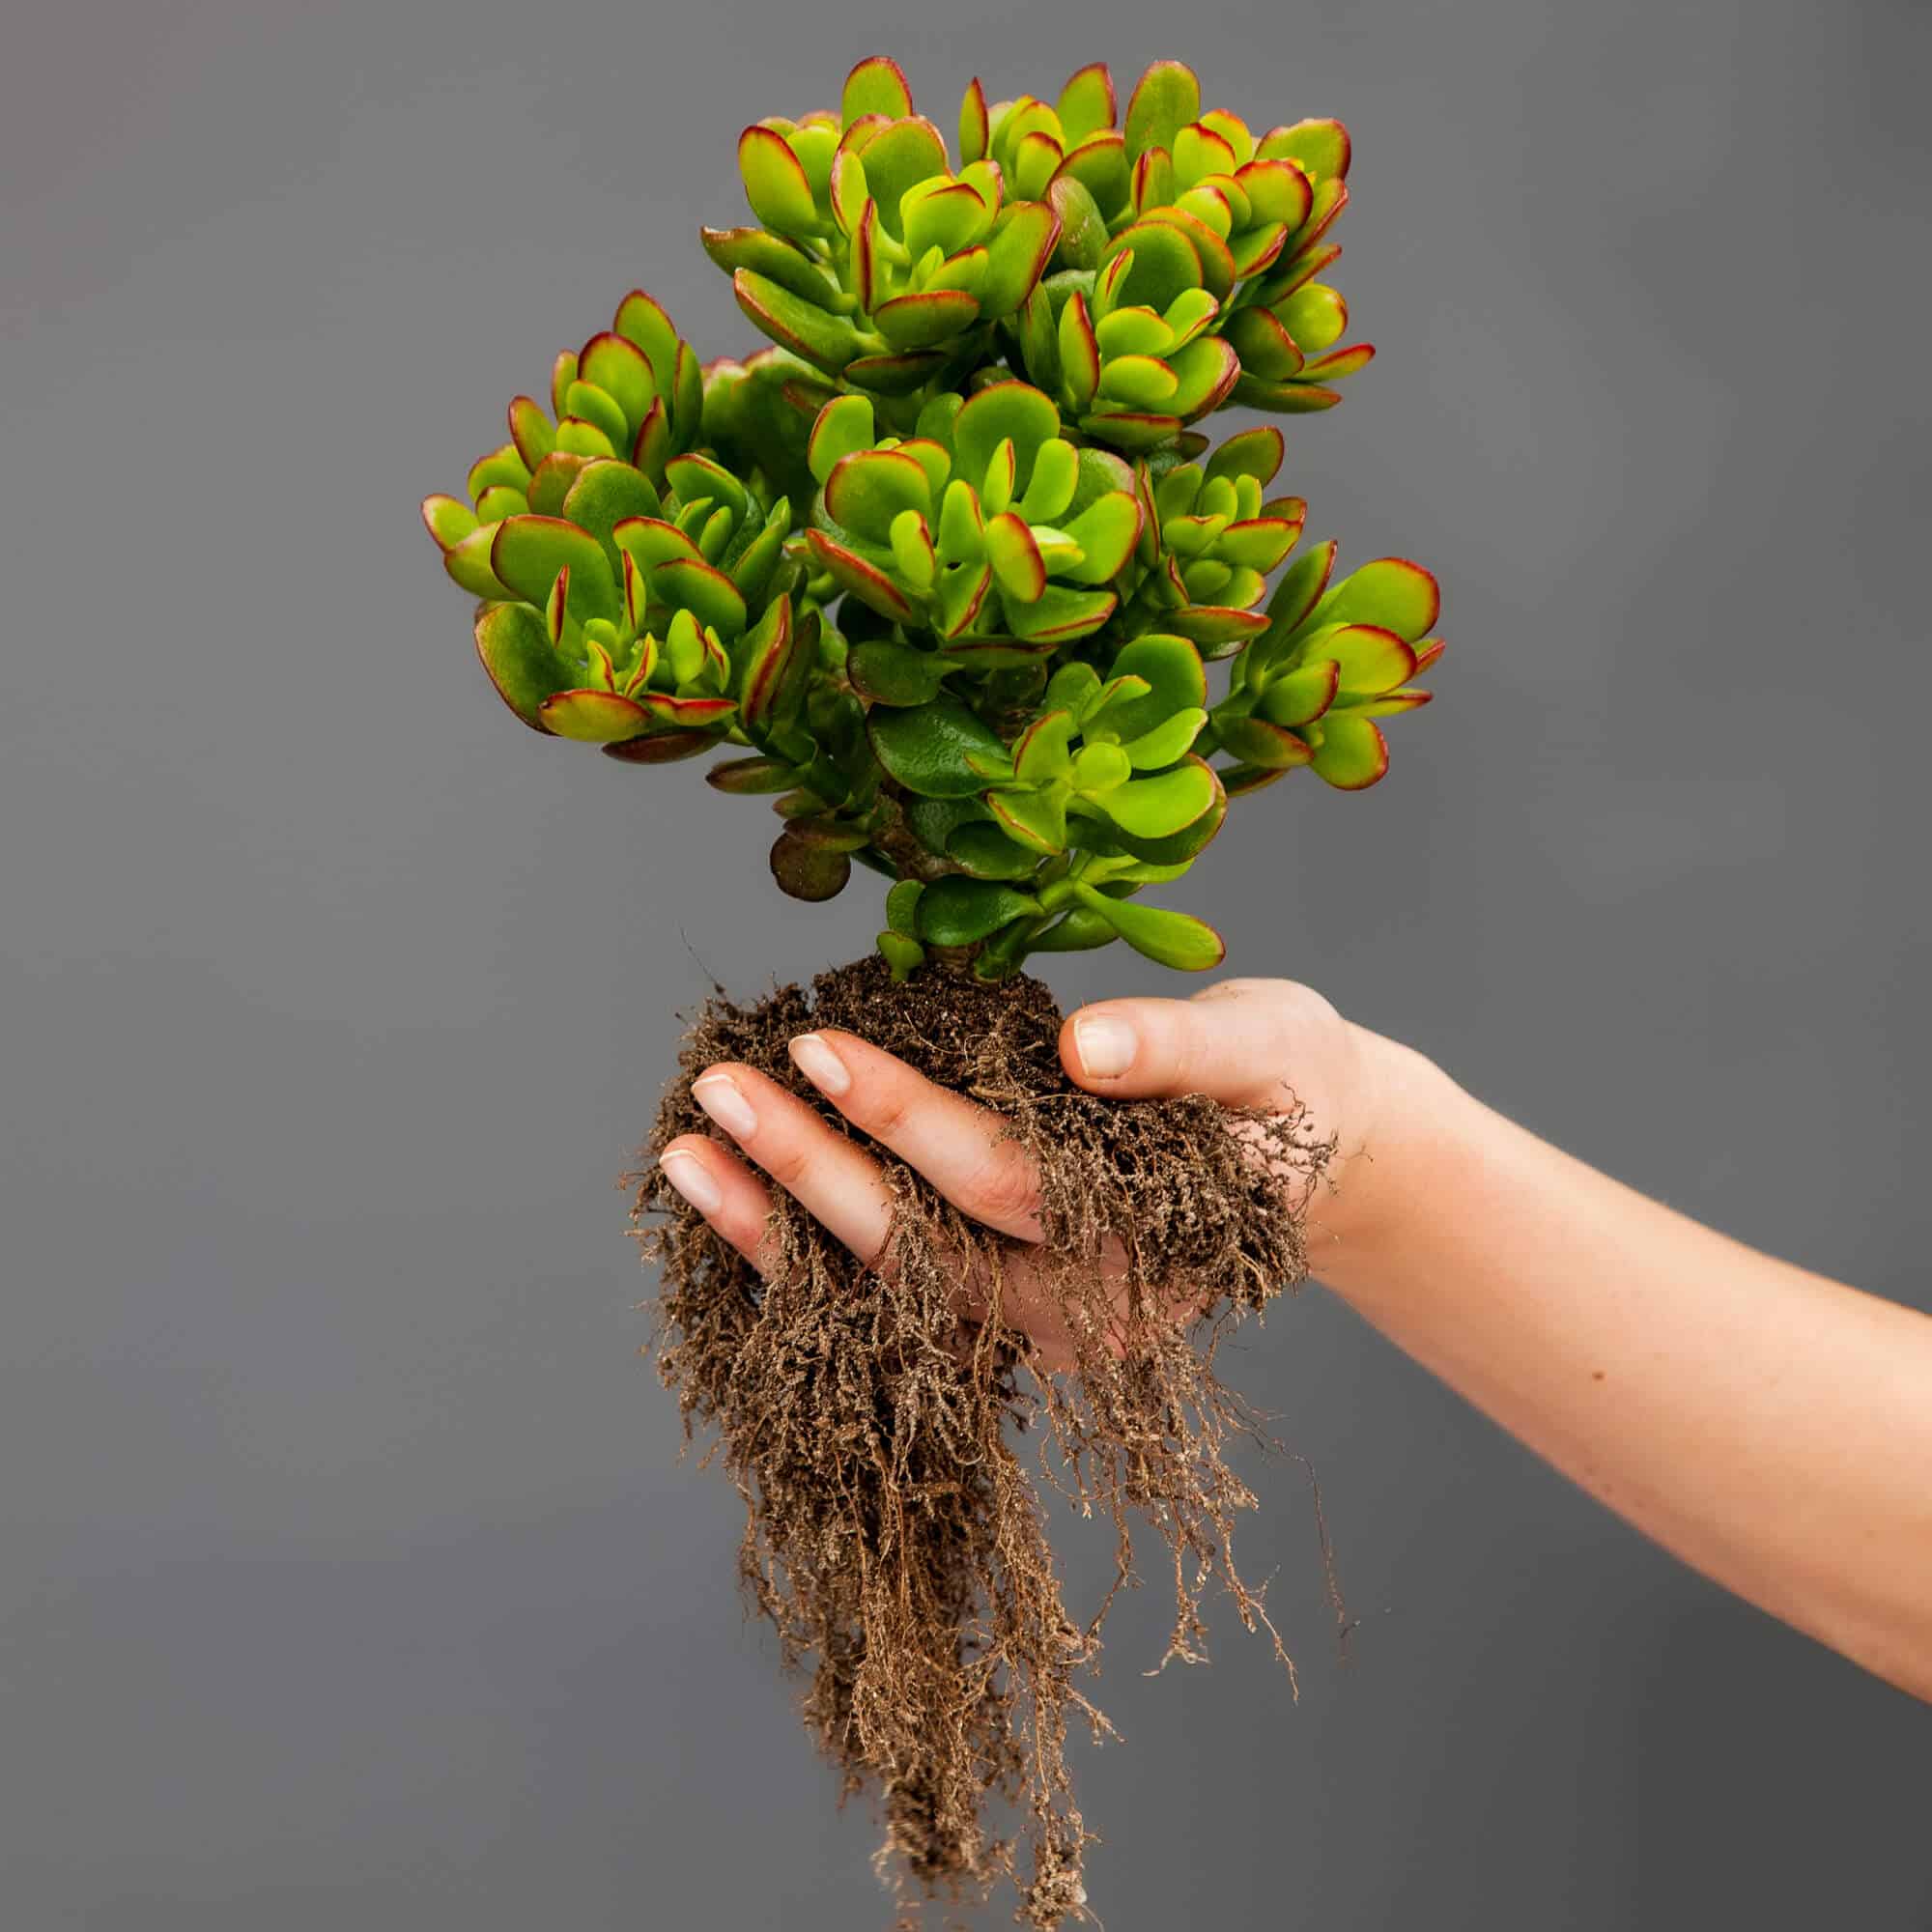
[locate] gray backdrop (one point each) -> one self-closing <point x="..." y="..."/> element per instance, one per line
<point x="349" y="1574"/>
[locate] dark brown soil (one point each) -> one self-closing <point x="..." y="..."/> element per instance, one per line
<point x="894" y="1456"/>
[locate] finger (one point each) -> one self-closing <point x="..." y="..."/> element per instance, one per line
<point x="960" y="1146"/>
<point x="1233" y="1042"/>
<point x="729" y="1196"/>
<point x="838" y="1183"/>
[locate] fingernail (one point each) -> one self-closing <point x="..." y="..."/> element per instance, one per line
<point x="816" y="1061"/>
<point x="691" y="1179"/>
<point x="1106" y="1045"/>
<point x="718" y="1095"/>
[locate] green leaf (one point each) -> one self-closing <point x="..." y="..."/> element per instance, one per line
<point x="1168" y="741"/>
<point x="1087" y="102"/>
<point x="1300" y="696"/>
<point x="593" y="716"/>
<point x="448" y="519"/>
<point x="514" y="645"/>
<point x="1176" y="681"/>
<point x="927" y="747"/>
<point x="864" y="580"/>
<point x="897" y="373"/>
<point x="751" y="776"/>
<point x="868" y="489"/>
<point x="1022" y="243"/>
<point x="1165" y="99"/>
<point x="1157" y="808"/>
<point x="1277" y="191"/>
<point x="1166" y="264"/>
<point x="642" y="320"/>
<point x="1041" y="751"/>
<point x="904" y="955"/>
<point x="696" y="476"/>
<point x="841" y="429"/>
<point x="894" y="674"/>
<point x="705" y="590"/>
<point x="1035" y="819"/>
<point x="877" y="85"/>
<point x="527" y="552"/>
<point x="903" y="907"/>
<point x="1253" y="452"/>
<point x="961" y="912"/>
<point x="772" y="256"/>
<point x="907" y="150"/>
<point x="975" y="123"/>
<point x="1169" y="938"/>
<point x="828" y="341"/>
<point x="945" y="215"/>
<point x="1371" y="662"/>
<point x="775" y="183"/>
<point x="1261" y="741"/>
<point x="1083" y="228"/>
<point x="1015" y="558"/>
<point x="1099" y="164"/>
<point x="1352" y="754"/>
<point x="1295" y="596"/>
<point x="1001" y="413"/>
<point x="1391" y="593"/>
<point x="619" y="369"/>
<point x="1322" y="147"/>
<point x="469" y="563"/>
<point x="1060" y="615"/>
<point x="1080" y="931"/>
<point x="934" y="820"/>
<point x="926" y="317"/>
<point x="1205" y="373"/>
<point x="605" y="494"/>
<point x="987" y="853"/>
<point x="775" y="664"/>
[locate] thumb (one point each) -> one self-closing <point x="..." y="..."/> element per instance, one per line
<point x="1234" y="1042"/>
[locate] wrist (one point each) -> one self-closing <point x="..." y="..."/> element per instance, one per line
<point x="1402" y="1109"/>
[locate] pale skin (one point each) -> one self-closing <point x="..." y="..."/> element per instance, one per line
<point x="1768" y="1426"/>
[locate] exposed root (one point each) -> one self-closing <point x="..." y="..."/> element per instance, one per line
<point x="894" y="1536"/>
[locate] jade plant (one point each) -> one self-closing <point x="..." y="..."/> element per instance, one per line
<point x="950" y="568"/>
<point x="954" y="571"/>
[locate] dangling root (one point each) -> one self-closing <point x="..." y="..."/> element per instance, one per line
<point x="894" y="1536"/>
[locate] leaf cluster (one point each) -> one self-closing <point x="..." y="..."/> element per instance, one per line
<point x="947" y="564"/>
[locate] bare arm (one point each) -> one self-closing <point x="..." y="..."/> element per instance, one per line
<point x="1772" y="1427"/>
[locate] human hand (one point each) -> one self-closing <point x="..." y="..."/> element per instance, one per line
<point x="1242" y="1042"/>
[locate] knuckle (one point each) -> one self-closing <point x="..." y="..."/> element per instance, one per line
<point x="886" y="1110"/>
<point x="1001" y="1189"/>
<point x="789" y="1163"/>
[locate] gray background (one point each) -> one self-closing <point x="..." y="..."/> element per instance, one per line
<point x="349" y="1576"/>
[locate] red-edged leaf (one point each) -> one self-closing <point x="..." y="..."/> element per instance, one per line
<point x="975" y="125"/>
<point x="449" y="520"/>
<point x="1165" y="98"/>
<point x="877" y="85"/>
<point x="514" y="650"/>
<point x="662" y="748"/>
<point x="865" y="581"/>
<point x="927" y="317"/>
<point x="687" y="713"/>
<point x="1352" y="754"/>
<point x="593" y="716"/>
<point x="898" y="375"/>
<point x="776" y="183"/>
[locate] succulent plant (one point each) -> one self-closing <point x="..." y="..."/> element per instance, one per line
<point x="947" y="566"/>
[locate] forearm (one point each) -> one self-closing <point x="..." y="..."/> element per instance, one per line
<point x="1772" y="1427"/>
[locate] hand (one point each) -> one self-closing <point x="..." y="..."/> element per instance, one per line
<point x="1244" y="1043"/>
